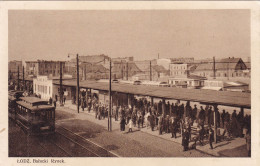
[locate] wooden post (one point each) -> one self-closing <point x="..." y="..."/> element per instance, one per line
<point x="109" y="118"/>
<point x="61" y="88"/>
<point x="23" y="80"/>
<point x="77" y="92"/>
<point x="150" y="70"/>
<point x="18" y="87"/>
<point x="242" y="111"/>
<point x="163" y="107"/>
<point x="215" y="122"/>
<point x="151" y="100"/>
<point x="214" y="68"/>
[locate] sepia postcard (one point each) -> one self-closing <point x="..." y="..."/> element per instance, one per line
<point x="129" y="83"/>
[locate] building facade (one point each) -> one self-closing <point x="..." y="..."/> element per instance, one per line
<point x="43" y="87"/>
<point x="229" y="67"/>
<point x="179" y="70"/>
<point x="180" y="76"/>
<point x="42" y="67"/>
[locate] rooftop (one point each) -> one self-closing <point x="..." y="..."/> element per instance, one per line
<point x="235" y="99"/>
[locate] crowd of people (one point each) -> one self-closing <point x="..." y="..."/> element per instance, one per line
<point x="176" y="118"/>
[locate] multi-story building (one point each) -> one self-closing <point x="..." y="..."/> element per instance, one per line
<point x="124" y="70"/>
<point x="179" y="69"/>
<point x="42" y="86"/>
<point x="13" y="66"/>
<point x="228" y="67"/>
<point x="13" y="69"/>
<point x="42" y="67"/>
<point x="180" y="76"/>
<point x="151" y="68"/>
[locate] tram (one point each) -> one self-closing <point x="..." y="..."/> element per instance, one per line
<point x="13" y="97"/>
<point x="35" y="116"/>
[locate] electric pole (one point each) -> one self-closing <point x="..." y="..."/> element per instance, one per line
<point x="61" y="89"/>
<point x="23" y="80"/>
<point x="150" y="70"/>
<point x="18" y="87"/>
<point x="126" y="70"/>
<point x="228" y="68"/>
<point x="122" y="70"/>
<point x="109" y="118"/>
<point x="77" y="89"/>
<point x="214" y="68"/>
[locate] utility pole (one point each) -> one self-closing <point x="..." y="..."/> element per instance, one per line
<point x="77" y="89"/>
<point x="61" y="88"/>
<point x="18" y="87"/>
<point x="85" y="72"/>
<point x="122" y="70"/>
<point x="228" y="69"/>
<point x="23" y="80"/>
<point x="126" y="70"/>
<point x="214" y="68"/>
<point x="109" y="118"/>
<point x="150" y="70"/>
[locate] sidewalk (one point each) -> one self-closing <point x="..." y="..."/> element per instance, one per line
<point x="229" y="148"/>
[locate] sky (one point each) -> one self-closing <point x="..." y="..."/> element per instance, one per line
<point x="52" y="35"/>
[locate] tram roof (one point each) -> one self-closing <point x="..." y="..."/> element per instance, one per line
<point x="226" y="98"/>
<point x="35" y="108"/>
<point x="34" y="100"/>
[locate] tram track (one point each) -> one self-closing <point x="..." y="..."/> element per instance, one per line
<point x="54" y="149"/>
<point x="95" y="149"/>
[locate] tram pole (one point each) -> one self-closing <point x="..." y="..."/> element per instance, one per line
<point x="77" y="93"/>
<point x="23" y="80"/>
<point x="126" y="70"/>
<point x="18" y="79"/>
<point x="214" y="68"/>
<point x="61" y="88"/>
<point x="109" y="119"/>
<point x="150" y="71"/>
<point x="215" y="122"/>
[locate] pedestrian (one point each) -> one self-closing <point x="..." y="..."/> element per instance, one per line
<point x="194" y="113"/>
<point x="202" y="115"/>
<point x="185" y="140"/>
<point x="211" y="137"/>
<point x="201" y="134"/>
<point x="248" y="142"/>
<point x="152" y="121"/>
<point x="54" y="103"/>
<point x="130" y="124"/>
<point x="167" y="125"/>
<point x="89" y="104"/>
<point x="173" y="127"/>
<point x="56" y="97"/>
<point x="83" y="104"/>
<point x="99" y="111"/>
<point x="189" y="127"/>
<point x="234" y="114"/>
<point x="64" y="99"/>
<point x="122" y="124"/>
<point x="50" y="101"/>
